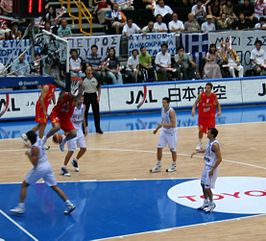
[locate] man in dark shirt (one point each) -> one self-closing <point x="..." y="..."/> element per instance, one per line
<point x="241" y="23"/>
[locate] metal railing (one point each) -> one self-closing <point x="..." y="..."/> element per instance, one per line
<point x="83" y="11"/>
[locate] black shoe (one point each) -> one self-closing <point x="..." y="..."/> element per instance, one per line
<point x="99" y="131"/>
<point x="75" y="165"/>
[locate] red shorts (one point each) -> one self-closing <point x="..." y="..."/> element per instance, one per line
<point x="205" y="124"/>
<point x="65" y="123"/>
<point x="40" y="117"/>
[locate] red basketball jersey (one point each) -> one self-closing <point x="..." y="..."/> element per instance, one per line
<point x="207" y="105"/>
<point x="64" y="108"/>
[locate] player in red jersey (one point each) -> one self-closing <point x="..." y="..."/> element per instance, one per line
<point x="41" y="115"/>
<point x="62" y="113"/>
<point x="207" y="103"/>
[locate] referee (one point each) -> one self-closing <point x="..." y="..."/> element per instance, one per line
<point x="92" y="94"/>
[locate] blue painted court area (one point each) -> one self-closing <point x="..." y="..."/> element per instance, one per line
<point x="142" y="121"/>
<point x="104" y="209"/>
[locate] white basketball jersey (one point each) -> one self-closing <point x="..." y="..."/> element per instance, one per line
<point x="78" y="117"/>
<point x="42" y="154"/>
<point x="166" y="120"/>
<point x="210" y="157"/>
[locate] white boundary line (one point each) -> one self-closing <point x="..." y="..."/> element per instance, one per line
<point x="146" y="151"/>
<point x="181" y="227"/>
<point x="143" y="130"/>
<point x="19" y="226"/>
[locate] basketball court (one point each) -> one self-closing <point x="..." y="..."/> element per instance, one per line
<point x="118" y="199"/>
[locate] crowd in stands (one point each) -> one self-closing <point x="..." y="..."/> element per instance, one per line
<point x="149" y="16"/>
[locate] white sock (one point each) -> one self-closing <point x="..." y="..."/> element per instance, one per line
<point x="200" y="141"/>
<point x="68" y="202"/>
<point x="21" y="205"/>
<point x="158" y="163"/>
<point x="44" y="139"/>
<point x="206" y="201"/>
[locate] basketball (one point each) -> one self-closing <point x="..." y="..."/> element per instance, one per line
<point x="57" y="138"/>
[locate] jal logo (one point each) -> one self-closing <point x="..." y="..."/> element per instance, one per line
<point x="141" y="97"/>
<point x="243" y="195"/>
<point x="7" y="104"/>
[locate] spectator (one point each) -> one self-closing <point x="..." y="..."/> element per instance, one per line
<point x="113" y="67"/>
<point x="64" y="30"/>
<point x="130" y="28"/>
<point x="176" y="25"/>
<point x="75" y="63"/>
<point x="231" y="60"/>
<point x="149" y="28"/>
<point x="228" y="9"/>
<point x="163" y="63"/>
<point x="208" y="26"/>
<point x="241" y="23"/>
<point x="185" y="65"/>
<point x="159" y="26"/>
<point x="164" y="10"/>
<point x="191" y="25"/>
<point x="15" y="32"/>
<point x="248" y="9"/>
<point x="95" y="61"/>
<point x="223" y="23"/>
<point x="115" y="19"/>
<point x="261" y="24"/>
<point x="133" y="66"/>
<point x="145" y="63"/>
<point x="258" y="8"/>
<point x="51" y="16"/>
<point x="92" y="96"/>
<point x="102" y="7"/>
<point x="258" y="58"/>
<point x="214" y="9"/>
<point x="211" y="68"/>
<point x="4" y="31"/>
<point x="47" y="26"/>
<point x="20" y="67"/>
<point x="199" y="11"/>
<point x="126" y="5"/>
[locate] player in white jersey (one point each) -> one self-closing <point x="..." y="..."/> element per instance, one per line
<point x="78" y="120"/>
<point x="41" y="169"/>
<point x="212" y="158"/>
<point x="168" y="136"/>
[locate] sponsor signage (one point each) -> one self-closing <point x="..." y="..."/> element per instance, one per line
<point x="243" y="195"/>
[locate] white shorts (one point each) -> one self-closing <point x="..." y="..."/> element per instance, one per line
<point x="168" y="139"/>
<point x="208" y="182"/>
<point x="43" y="171"/>
<point x="76" y="142"/>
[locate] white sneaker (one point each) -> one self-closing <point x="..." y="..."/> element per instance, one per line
<point x="210" y="208"/>
<point x="46" y="147"/>
<point x="199" y="147"/>
<point x="171" y="168"/>
<point x="156" y="168"/>
<point x="203" y="206"/>
<point x="69" y="208"/>
<point x="18" y="210"/>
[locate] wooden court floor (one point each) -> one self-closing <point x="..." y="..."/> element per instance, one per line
<point x="130" y="155"/>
